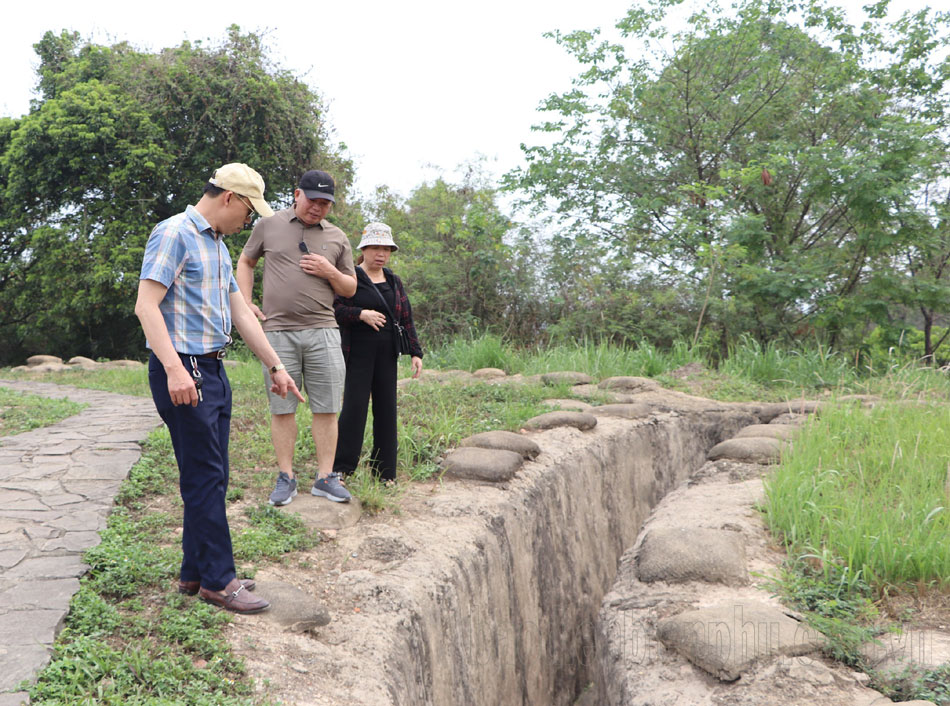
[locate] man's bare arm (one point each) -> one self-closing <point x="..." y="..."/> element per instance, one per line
<point x="245" y="280"/>
<point x="181" y="386"/>
<point x="253" y="335"/>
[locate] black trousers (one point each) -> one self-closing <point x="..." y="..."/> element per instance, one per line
<point x="370" y="372"/>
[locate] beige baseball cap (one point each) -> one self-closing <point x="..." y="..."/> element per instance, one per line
<point x="377" y="234"/>
<point x="243" y="180"/>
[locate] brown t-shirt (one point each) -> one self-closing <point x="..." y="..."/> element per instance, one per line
<point x="294" y="300"/>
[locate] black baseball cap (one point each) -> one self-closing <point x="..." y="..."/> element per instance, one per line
<point x="317" y="185"/>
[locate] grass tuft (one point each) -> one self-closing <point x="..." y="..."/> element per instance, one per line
<point x="271" y="533"/>
<point x="133" y="555"/>
<point x="20" y="412"/>
<point x="869" y="487"/>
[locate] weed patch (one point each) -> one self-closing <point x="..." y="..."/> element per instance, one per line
<point x="927" y="685"/>
<point x="868" y="488"/>
<point x="861" y="502"/>
<point x="834" y="601"/>
<point x="131" y="556"/>
<point x="271" y="533"/>
<point x="374" y="495"/>
<point x="92" y="671"/>
<point x="155" y="472"/>
<point x="20" y="412"/>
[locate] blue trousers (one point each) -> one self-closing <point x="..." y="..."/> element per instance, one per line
<point x="200" y="439"/>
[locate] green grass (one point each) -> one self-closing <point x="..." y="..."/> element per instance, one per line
<point x="129" y="638"/>
<point x="135" y="554"/>
<point x="472" y="353"/>
<point x="602" y="360"/>
<point x="927" y="685"/>
<point x="123" y="381"/>
<point x="21" y="412"/>
<point x="598" y="359"/>
<point x="870" y="488"/>
<point x="434" y="417"/>
<point x="907" y="381"/>
<point x="156" y="669"/>
<point x="155" y="472"/>
<point x="271" y="533"/>
<point x="374" y="495"/>
<point x="835" y="601"/>
<point x="751" y="371"/>
<point x="807" y="369"/>
<point x="860" y="502"/>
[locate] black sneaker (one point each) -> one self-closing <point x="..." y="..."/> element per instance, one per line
<point x="284" y="491"/>
<point x="331" y="489"/>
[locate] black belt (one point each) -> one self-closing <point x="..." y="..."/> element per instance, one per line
<point x="213" y="354"/>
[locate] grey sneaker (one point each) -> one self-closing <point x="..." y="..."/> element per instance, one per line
<point x="284" y="491"/>
<point x="331" y="489"/>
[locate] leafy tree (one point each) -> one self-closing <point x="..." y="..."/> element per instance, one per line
<point x="119" y="140"/>
<point x="917" y="290"/>
<point x="465" y="267"/>
<point x="771" y="163"/>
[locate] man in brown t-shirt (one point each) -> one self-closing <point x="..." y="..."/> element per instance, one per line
<point x="307" y="260"/>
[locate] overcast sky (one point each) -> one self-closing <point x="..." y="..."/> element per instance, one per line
<point x="412" y="87"/>
<point x="409" y="84"/>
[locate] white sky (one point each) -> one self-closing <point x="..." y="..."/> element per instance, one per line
<point x="408" y="84"/>
<point x="412" y="87"/>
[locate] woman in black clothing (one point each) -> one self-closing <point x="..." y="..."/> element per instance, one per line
<point x="371" y="349"/>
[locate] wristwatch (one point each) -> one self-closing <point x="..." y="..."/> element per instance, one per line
<point x="274" y="369"/>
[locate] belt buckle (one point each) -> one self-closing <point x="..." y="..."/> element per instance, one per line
<point x="221" y="353"/>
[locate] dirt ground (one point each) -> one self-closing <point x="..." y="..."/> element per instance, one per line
<point x="300" y="668"/>
<point x="297" y="668"/>
<point x="322" y="666"/>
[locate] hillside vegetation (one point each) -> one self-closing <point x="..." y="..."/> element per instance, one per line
<point x="771" y="173"/>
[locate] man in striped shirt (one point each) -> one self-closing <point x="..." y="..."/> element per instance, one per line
<point x="186" y="301"/>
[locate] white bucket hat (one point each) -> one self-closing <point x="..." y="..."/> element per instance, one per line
<point x="377" y="234"/>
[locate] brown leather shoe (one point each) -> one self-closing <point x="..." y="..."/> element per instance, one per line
<point x="236" y="598"/>
<point x="190" y="588"/>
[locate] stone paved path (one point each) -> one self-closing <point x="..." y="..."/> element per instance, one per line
<point x="57" y="486"/>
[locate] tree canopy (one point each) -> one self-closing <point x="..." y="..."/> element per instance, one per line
<point x="118" y="140"/>
<point x="461" y="257"/>
<point x="782" y="169"/>
<point x="771" y="170"/>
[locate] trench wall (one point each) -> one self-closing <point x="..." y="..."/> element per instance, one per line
<point x="508" y="611"/>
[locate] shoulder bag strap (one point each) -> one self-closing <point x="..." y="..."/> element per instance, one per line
<point x="381" y="298"/>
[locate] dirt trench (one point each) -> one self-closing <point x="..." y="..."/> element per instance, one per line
<point x="480" y="593"/>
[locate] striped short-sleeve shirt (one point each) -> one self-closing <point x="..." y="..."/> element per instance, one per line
<point x="185" y="255"/>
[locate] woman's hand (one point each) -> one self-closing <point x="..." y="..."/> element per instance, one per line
<point x="373" y="318"/>
<point x="416" y="366"/>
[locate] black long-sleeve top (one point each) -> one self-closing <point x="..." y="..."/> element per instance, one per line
<point x="348" y="309"/>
